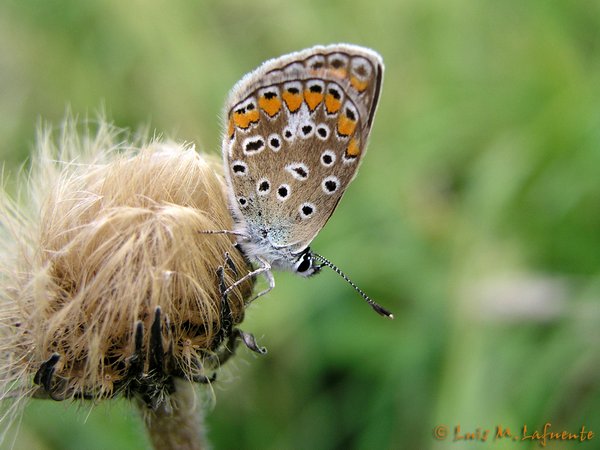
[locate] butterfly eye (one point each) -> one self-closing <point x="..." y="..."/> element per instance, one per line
<point x="304" y="265"/>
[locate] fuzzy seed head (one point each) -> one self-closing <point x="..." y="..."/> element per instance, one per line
<point x="105" y="234"/>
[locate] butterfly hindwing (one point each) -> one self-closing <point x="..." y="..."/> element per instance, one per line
<point x="296" y="133"/>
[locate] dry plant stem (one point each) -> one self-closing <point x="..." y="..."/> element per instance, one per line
<point x="177" y="424"/>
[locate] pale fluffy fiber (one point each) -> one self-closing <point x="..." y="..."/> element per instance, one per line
<point x="102" y="233"/>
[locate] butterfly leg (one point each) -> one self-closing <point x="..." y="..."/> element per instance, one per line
<point x="43" y="376"/>
<point x="152" y="386"/>
<point x="249" y="341"/>
<point x="230" y="232"/>
<point x="135" y="362"/>
<point x="157" y="352"/>
<point x="264" y="268"/>
<point x="229" y="263"/>
<point x="226" y="319"/>
<point x="51" y="384"/>
<point x="233" y="335"/>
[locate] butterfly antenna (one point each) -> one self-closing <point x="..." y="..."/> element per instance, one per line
<point x="377" y="307"/>
<point x="230" y="232"/>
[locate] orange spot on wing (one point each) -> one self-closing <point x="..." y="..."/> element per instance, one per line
<point x="231" y="128"/>
<point x="271" y="106"/>
<point x="292" y="101"/>
<point x="244" y="119"/>
<point x="332" y="104"/>
<point x="358" y="84"/>
<point x="345" y="126"/>
<point x="253" y="116"/>
<point x="241" y="120"/>
<point x="313" y="99"/>
<point x="338" y="73"/>
<point x="353" y="149"/>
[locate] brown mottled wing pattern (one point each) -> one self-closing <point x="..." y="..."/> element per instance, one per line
<point x="296" y="133"/>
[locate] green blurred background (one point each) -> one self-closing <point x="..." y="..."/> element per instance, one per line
<point x="475" y="218"/>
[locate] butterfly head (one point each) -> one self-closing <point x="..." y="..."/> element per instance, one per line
<point x="262" y="244"/>
<point x="305" y="264"/>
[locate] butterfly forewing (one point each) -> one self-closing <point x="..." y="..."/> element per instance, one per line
<point x="296" y="133"/>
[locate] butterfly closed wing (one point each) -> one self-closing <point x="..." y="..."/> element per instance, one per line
<point x="296" y="133"/>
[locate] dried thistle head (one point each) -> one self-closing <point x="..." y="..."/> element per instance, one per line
<point x="109" y="285"/>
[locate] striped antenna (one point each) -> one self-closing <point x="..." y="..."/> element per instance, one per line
<point x="377" y="307"/>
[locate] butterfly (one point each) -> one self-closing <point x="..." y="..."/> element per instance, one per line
<point x="296" y="130"/>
